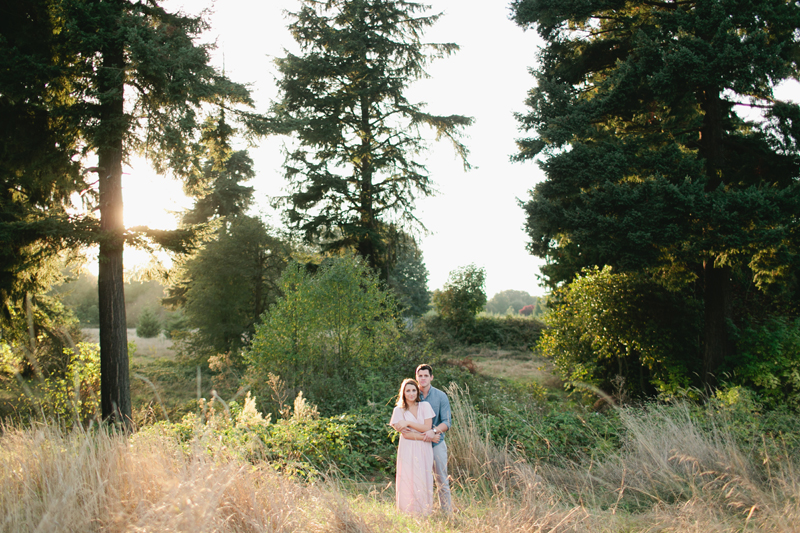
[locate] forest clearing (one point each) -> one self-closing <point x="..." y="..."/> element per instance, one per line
<point x="236" y="368"/>
<point x="652" y="468"/>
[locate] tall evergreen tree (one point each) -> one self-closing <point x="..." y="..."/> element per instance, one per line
<point x="408" y="275"/>
<point x="216" y="181"/>
<point x="650" y="162"/>
<point x="133" y="78"/>
<point x="232" y="281"/>
<point x="39" y="167"/>
<point x="353" y="166"/>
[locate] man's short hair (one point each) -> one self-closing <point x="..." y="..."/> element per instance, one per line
<point x="424" y="366"/>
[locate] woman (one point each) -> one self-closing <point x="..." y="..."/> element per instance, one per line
<point x="414" y="478"/>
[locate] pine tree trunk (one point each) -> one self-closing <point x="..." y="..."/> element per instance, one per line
<point x="717" y="279"/>
<point x="115" y="396"/>
<point x="366" y="243"/>
<point x="717" y="310"/>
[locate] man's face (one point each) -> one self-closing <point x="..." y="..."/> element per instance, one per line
<point x="424" y="379"/>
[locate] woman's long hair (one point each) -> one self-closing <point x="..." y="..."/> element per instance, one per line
<point x="401" y="398"/>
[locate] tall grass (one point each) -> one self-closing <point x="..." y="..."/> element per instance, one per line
<point x="671" y="474"/>
<point x="62" y="481"/>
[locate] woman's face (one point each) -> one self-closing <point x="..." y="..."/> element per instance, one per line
<point x="410" y="393"/>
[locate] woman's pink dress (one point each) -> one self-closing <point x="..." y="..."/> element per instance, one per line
<point x="414" y="465"/>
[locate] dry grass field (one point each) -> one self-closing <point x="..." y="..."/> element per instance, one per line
<point x="670" y="477"/>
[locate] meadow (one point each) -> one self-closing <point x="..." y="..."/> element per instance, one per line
<point x="724" y="466"/>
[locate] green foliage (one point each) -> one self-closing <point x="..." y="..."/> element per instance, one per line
<point x="641" y="121"/>
<point x="605" y="324"/>
<point x="357" y="443"/>
<point x="461" y="298"/>
<point x="504" y="301"/>
<point x="408" y="276"/>
<point x="226" y="286"/>
<point x="37" y="328"/>
<point x="75" y="396"/>
<point x="353" y="171"/>
<point x="505" y="331"/>
<point x="175" y="323"/>
<point x="768" y="360"/>
<point x="332" y="332"/>
<point x="149" y="325"/>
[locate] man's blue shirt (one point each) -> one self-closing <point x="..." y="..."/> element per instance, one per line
<point x="441" y="408"/>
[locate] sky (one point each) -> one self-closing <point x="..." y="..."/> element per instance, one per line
<point x="475" y="218"/>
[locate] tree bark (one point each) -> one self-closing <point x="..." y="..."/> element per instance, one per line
<point x="717" y="301"/>
<point x="716" y="279"/>
<point x="115" y="396"/>
<point x="366" y="242"/>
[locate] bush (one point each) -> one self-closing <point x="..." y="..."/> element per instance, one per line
<point x="76" y="395"/>
<point x="506" y="331"/>
<point x="462" y="297"/>
<point x="768" y="360"/>
<point x="149" y="325"/>
<point x="357" y="443"/>
<point x="333" y="335"/>
<point x="604" y="325"/>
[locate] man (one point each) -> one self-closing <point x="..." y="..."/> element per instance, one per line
<point x="441" y="423"/>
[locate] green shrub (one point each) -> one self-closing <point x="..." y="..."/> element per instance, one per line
<point x="354" y="444"/>
<point x="333" y="335"/>
<point x="604" y="325"/>
<point x="76" y="395"/>
<point x="175" y="323"/>
<point x="768" y="360"/>
<point x="149" y="325"/>
<point x="461" y="298"/>
<point x="505" y="331"/>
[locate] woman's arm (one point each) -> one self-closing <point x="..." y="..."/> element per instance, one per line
<point x="411" y="434"/>
<point x="422" y="428"/>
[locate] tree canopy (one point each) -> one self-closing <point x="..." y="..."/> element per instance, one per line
<point x="354" y="168"/>
<point x="92" y="82"/>
<point x="664" y="147"/>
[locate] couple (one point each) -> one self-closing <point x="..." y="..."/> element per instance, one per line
<point x="422" y="416"/>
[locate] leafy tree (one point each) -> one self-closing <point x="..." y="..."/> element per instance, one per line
<point x="527" y="310"/>
<point x="462" y="297"/>
<point x="149" y="325"/>
<point x="516" y="300"/>
<point x="332" y="335"/>
<point x="233" y="280"/>
<point x="352" y="170"/>
<point x="649" y="162"/>
<point x="606" y="324"/>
